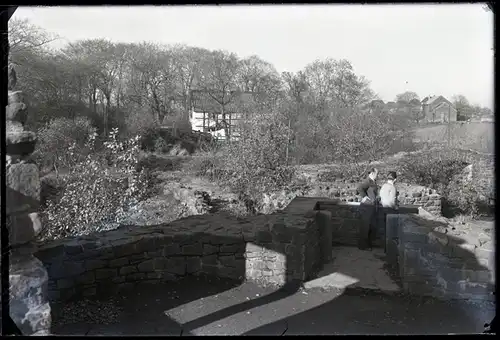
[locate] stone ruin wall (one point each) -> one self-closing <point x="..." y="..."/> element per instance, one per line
<point x="417" y="195"/>
<point x="438" y="260"/>
<point x="28" y="280"/>
<point x="285" y="247"/>
<point x="267" y="249"/>
<point x="345" y="191"/>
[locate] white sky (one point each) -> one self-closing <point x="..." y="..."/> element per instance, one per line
<point x="429" y="49"/>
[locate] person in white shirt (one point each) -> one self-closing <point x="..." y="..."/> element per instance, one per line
<point x="388" y="193"/>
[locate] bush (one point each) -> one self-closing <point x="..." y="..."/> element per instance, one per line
<point x="433" y="169"/>
<point x="472" y="192"/>
<point x="58" y="137"/>
<point x="94" y="194"/>
<point x="139" y="122"/>
<point x="257" y="163"/>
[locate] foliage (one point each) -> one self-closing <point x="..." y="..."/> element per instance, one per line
<point x="257" y="163"/>
<point x="407" y="97"/>
<point x="95" y="193"/>
<point x="60" y="136"/>
<point x="433" y="169"/>
<point x="253" y="165"/>
<point x="472" y="192"/>
<point x="468" y="198"/>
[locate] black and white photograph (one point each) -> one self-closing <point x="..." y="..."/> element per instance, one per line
<point x="239" y="169"/>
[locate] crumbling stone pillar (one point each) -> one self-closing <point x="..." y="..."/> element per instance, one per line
<point x="29" y="305"/>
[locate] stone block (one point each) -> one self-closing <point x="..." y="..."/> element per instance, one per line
<point x="146" y="244"/>
<point x="23" y="228"/>
<point x="253" y="248"/>
<point x="118" y="279"/>
<point x="292" y="250"/>
<point x="122" y="250"/>
<point x="323" y="220"/>
<point x="193" y="265"/>
<point x="414" y="238"/>
<point x="73" y="248"/>
<point x="29" y="308"/>
<point x="135" y="277"/>
<point x="105" y="273"/>
<point x="209" y="249"/>
<point x="283" y="237"/>
<point x="232" y="248"/>
<point x="86" y="278"/>
<point x="154" y="276"/>
<point x="137" y="258"/>
<point x="153" y="254"/>
<point x="92" y="264"/>
<point x="176" y="265"/>
<point x="171" y="249"/>
<point x="23" y="188"/>
<point x="227" y="260"/>
<point x="19" y="143"/>
<point x="120" y="262"/>
<point x="209" y="260"/>
<point x="16" y="111"/>
<point x="195" y="249"/>
<point x="15" y="97"/>
<point x="67" y="269"/>
<point x="209" y="269"/>
<point x="167" y="277"/>
<point x="146" y="266"/>
<point x="473" y="288"/>
<point x="264" y="236"/>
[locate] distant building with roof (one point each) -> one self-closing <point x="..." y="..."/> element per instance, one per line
<point x="207" y="113"/>
<point x="438" y="109"/>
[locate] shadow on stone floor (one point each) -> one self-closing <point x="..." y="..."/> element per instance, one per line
<point x="358" y="312"/>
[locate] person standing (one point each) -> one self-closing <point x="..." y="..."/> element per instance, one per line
<point x="388" y="192"/>
<point x="368" y="190"/>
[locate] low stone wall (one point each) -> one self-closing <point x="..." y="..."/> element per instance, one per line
<point x="435" y="259"/>
<point x="345" y="191"/>
<point x="269" y="249"/>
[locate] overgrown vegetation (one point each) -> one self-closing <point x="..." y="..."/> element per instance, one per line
<point x="99" y="188"/>
<point x="133" y="97"/>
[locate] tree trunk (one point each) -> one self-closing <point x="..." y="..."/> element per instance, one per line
<point x="226" y="127"/>
<point x="288" y="141"/>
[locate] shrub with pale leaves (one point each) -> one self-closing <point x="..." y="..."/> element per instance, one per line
<point x="257" y="163"/>
<point x="58" y="137"/>
<point x="98" y="193"/>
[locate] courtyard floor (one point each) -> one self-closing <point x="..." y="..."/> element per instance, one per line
<point x="352" y="295"/>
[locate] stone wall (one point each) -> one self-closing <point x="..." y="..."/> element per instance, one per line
<point x="269" y="249"/>
<point x="435" y="259"/>
<point x="28" y="303"/>
<point x="346" y="219"/>
<point x="345" y="191"/>
<point x="417" y="195"/>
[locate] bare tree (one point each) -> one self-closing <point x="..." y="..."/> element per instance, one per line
<point x="187" y="61"/>
<point x="218" y="78"/>
<point x="26" y="38"/>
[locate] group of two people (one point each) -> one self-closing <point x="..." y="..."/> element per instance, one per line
<point x="372" y="197"/>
